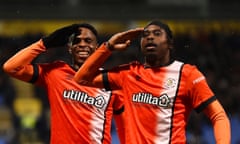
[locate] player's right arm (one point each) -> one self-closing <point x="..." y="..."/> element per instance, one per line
<point x="19" y="66"/>
<point x="89" y="73"/>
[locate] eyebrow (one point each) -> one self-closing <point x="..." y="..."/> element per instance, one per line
<point x="160" y="29"/>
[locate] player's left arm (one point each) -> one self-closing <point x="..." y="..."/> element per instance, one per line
<point x="204" y="100"/>
<point x="220" y="122"/>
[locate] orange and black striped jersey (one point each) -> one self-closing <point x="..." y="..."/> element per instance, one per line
<point x="79" y="114"/>
<point x="158" y="101"/>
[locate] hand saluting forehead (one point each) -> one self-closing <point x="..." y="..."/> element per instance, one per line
<point x="128" y="35"/>
<point x="121" y="40"/>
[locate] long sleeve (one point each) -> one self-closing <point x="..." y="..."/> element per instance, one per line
<point x="89" y="73"/>
<point x="19" y="66"/>
<point x="220" y="122"/>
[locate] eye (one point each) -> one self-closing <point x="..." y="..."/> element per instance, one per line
<point x="88" y="40"/>
<point x="145" y="33"/>
<point x="76" y="41"/>
<point x="157" y="33"/>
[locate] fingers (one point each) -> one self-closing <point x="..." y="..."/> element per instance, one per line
<point x="122" y="46"/>
<point x="132" y="33"/>
<point x="122" y="40"/>
<point x="122" y="37"/>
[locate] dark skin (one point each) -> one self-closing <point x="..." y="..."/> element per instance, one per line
<point x="155" y="46"/>
<point x="83" y="46"/>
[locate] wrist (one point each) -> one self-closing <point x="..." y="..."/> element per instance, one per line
<point x="40" y="43"/>
<point x="109" y="46"/>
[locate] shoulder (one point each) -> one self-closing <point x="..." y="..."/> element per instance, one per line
<point x="192" y="73"/>
<point x="189" y="68"/>
<point x="54" y="64"/>
<point x="60" y="63"/>
<point x="127" y="66"/>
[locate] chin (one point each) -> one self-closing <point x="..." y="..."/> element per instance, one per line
<point x="151" y="56"/>
<point x="81" y="61"/>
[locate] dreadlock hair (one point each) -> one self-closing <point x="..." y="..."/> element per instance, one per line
<point x="168" y="32"/>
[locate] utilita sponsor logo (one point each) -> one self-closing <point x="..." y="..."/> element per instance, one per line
<point x="83" y="97"/>
<point x="162" y="100"/>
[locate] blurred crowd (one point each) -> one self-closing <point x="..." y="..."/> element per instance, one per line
<point x="24" y="109"/>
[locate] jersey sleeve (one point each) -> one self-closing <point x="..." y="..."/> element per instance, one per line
<point x="220" y="122"/>
<point x="19" y="66"/>
<point x="116" y="76"/>
<point x="89" y="73"/>
<point x="39" y="75"/>
<point x="198" y="89"/>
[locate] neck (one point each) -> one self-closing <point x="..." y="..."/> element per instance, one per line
<point x="154" y="61"/>
<point x="76" y="66"/>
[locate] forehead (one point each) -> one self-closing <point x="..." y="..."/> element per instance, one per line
<point x="153" y="27"/>
<point x="85" y="32"/>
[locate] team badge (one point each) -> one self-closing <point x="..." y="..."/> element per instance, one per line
<point x="169" y="83"/>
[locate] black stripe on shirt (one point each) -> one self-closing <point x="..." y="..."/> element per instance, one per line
<point x="205" y="104"/>
<point x="105" y="81"/>
<point x="35" y="74"/>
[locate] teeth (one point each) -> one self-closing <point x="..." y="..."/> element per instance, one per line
<point x="83" y="53"/>
<point x="150" y="47"/>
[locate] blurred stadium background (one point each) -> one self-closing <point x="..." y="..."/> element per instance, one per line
<point x="207" y="33"/>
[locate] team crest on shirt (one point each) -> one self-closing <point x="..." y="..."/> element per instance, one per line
<point x="169" y="83"/>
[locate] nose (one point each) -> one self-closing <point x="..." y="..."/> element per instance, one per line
<point x="150" y="36"/>
<point x="82" y="43"/>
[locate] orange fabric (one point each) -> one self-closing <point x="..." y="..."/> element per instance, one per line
<point x="119" y="119"/>
<point x="220" y="121"/>
<point x="19" y="66"/>
<point x="120" y="127"/>
<point x="158" y="101"/>
<point x="85" y="112"/>
<point x="79" y="114"/>
<point x="88" y="73"/>
<point x="149" y="121"/>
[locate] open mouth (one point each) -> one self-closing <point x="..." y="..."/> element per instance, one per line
<point x="150" y="47"/>
<point x="83" y="53"/>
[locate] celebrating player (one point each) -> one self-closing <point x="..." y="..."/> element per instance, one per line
<point x="79" y="114"/>
<point x="159" y="94"/>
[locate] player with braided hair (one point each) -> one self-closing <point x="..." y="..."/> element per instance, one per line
<point x="160" y="93"/>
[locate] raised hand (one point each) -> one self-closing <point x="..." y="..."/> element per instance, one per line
<point x="59" y="37"/>
<point x="122" y="40"/>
